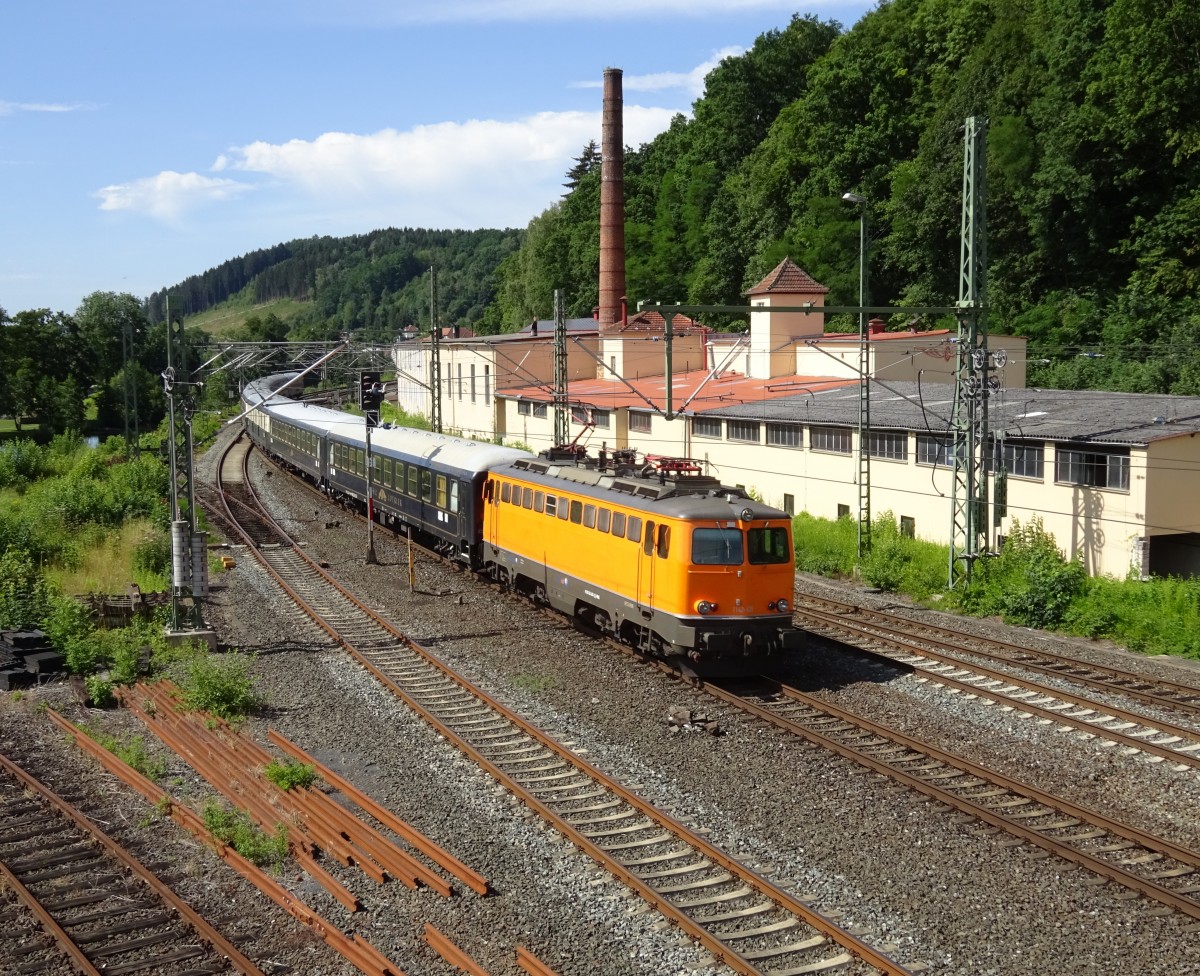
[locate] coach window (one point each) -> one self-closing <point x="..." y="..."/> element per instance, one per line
<point x="576" y="512"/>
<point x="412" y="480"/>
<point x="618" y="524"/>
<point x="589" y="516"/>
<point x="603" y="519"/>
<point x="454" y="496"/>
<point x="551" y="505"/>
<point x="767" y="546"/>
<point x="633" y="529"/>
<point x="539" y="501"/>
<point x="716" y="547"/>
<point x="564" y="507"/>
<point x="664" y="541"/>
<point x="426" y="485"/>
<point x="441" y="491"/>
<point x="527" y="501"/>
<point x="360" y="463"/>
<point x="648" y="544"/>
<point x="506" y="492"/>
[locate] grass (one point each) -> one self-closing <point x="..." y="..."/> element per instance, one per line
<point x="288" y="774"/>
<point x="534" y="682"/>
<point x="232" y="314"/>
<point x="235" y="829"/>
<point x="106" y="567"/>
<point x="131" y="751"/>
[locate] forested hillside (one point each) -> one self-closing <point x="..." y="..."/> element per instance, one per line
<point x="370" y="284"/>
<point x="1093" y="177"/>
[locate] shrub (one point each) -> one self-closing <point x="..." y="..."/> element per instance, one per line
<point x="153" y="554"/>
<point x="25" y="594"/>
<point x="99" y="691"/>
<point x="828" y="548"/>
<point x="221" y="685"/>
<point x="235" y="829"/>
<point x="288" y="774"/>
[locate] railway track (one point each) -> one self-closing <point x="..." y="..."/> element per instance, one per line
<point x="741" y="917"/>
<point x="99" y="910"/>
<point x="937" y="655"/>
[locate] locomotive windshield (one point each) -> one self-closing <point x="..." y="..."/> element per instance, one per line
<point x="716" y="547"/>
<point x="767" y="546"/>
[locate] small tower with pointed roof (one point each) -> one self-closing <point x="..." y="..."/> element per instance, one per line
<point x="773" y="334"/>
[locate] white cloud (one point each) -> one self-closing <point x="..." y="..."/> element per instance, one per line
<point x="477" y="173"/>
<point x="169" y="194"/>
<point x="691" y="82"/>
<point x="12" y="108"/>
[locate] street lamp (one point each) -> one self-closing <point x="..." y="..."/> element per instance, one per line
<point x="864" y="390"/>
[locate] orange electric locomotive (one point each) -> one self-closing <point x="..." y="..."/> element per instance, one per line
<point x="656" y="553"/>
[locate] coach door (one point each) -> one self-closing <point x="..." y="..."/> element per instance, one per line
<point x="643" y="535"/>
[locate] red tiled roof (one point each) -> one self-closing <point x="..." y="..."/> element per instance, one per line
<point x="725" y="391"/>
<point x="653" y="322"/>
<point x="788" y="278"/>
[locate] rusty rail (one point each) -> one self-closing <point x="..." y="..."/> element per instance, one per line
<point x="532" y="964"/>
<point x="365" y="957"/>
<point x="442" y="945"/>
<point x="202" y="927"/>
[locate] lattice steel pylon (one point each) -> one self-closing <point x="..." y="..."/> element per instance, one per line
<point x="435" y="357"/>
<point x="969" y="532"/>
<point x="562" y="410"/>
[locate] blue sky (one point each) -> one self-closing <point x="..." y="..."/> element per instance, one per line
<point x="141" y="142"/>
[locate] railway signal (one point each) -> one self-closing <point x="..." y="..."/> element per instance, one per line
<point x="370" y="395"/>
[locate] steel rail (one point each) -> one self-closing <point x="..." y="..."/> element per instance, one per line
<point x="1178" y="697"/>
<point x="441" y="944"/>
<point x="199" y="925"/>
<point x="1115" y="872"/>
<point x="753" y="881"/>
<point x="838" y="627"/>
<point x="357" y="951"/>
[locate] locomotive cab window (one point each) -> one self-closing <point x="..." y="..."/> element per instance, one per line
<point x="767" y="546"/>
<point x="648" y="545"/>
<point x="663" y="546"/>
<point x="717" y="547"/>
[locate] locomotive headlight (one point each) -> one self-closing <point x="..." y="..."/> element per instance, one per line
<point x="705" y="607"/>
<point x="782" y="605"/>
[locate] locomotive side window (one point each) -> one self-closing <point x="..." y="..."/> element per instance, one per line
<point x="589" y="516"/>
<point x="603" y="519"/>
<point x="564" y="507"/>
<point x="664" y="541"/>
<point x="527" y="499"/>
<point x="576" y="512"/>
<point x="767" y="546"/>
<point x="618" y="524"/>
<point x="716" y="547"/>
<point x="539" y="501"/>
<point x="633" y="529"/>
<point x="648" y="545"/>
<point x="441" y="491"/>
<point x="506" y="492"/>
<point x="551" y="505"/>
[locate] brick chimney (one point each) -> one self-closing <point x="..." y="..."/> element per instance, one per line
<point x="612" y="203"/>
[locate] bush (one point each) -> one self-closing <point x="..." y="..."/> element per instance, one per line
<point x="235" y="829"/>
<point x="221" y="685"/>
<point x="25" y="594"/>
<point x="824" y="547"/>
<point x="288" y="774"/>
<point x="100" y="693"/>
<point x="152" y="554"/>
<point x="1030" y="583"/>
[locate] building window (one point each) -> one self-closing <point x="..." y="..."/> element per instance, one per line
<point x="460" y="383"/>
<point x="601" y="418"/>
<point x="612" y="365"/>
<point x="487" y="385"/>
<point x="835" y="440"/>
<point x="785" y="435"/>
<point x="539" y="410"/>
<point x="843" y="511"/>
<point x="472" y="382"/>
<point x="640" y="422"/>
<point x="908" y="526"/>
<point x="706" y="427"/>
<point x="934" y="449"/>
<point x="1092" y="468"/>
<point x="524" y="408"/>
<point x="743" y="430"/>
<point x="1025" y="460"/>
<point x="889" y="444"/>
<point x="789" y="504"/>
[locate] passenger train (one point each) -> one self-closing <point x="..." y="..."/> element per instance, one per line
<point x="652" y="552"/>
